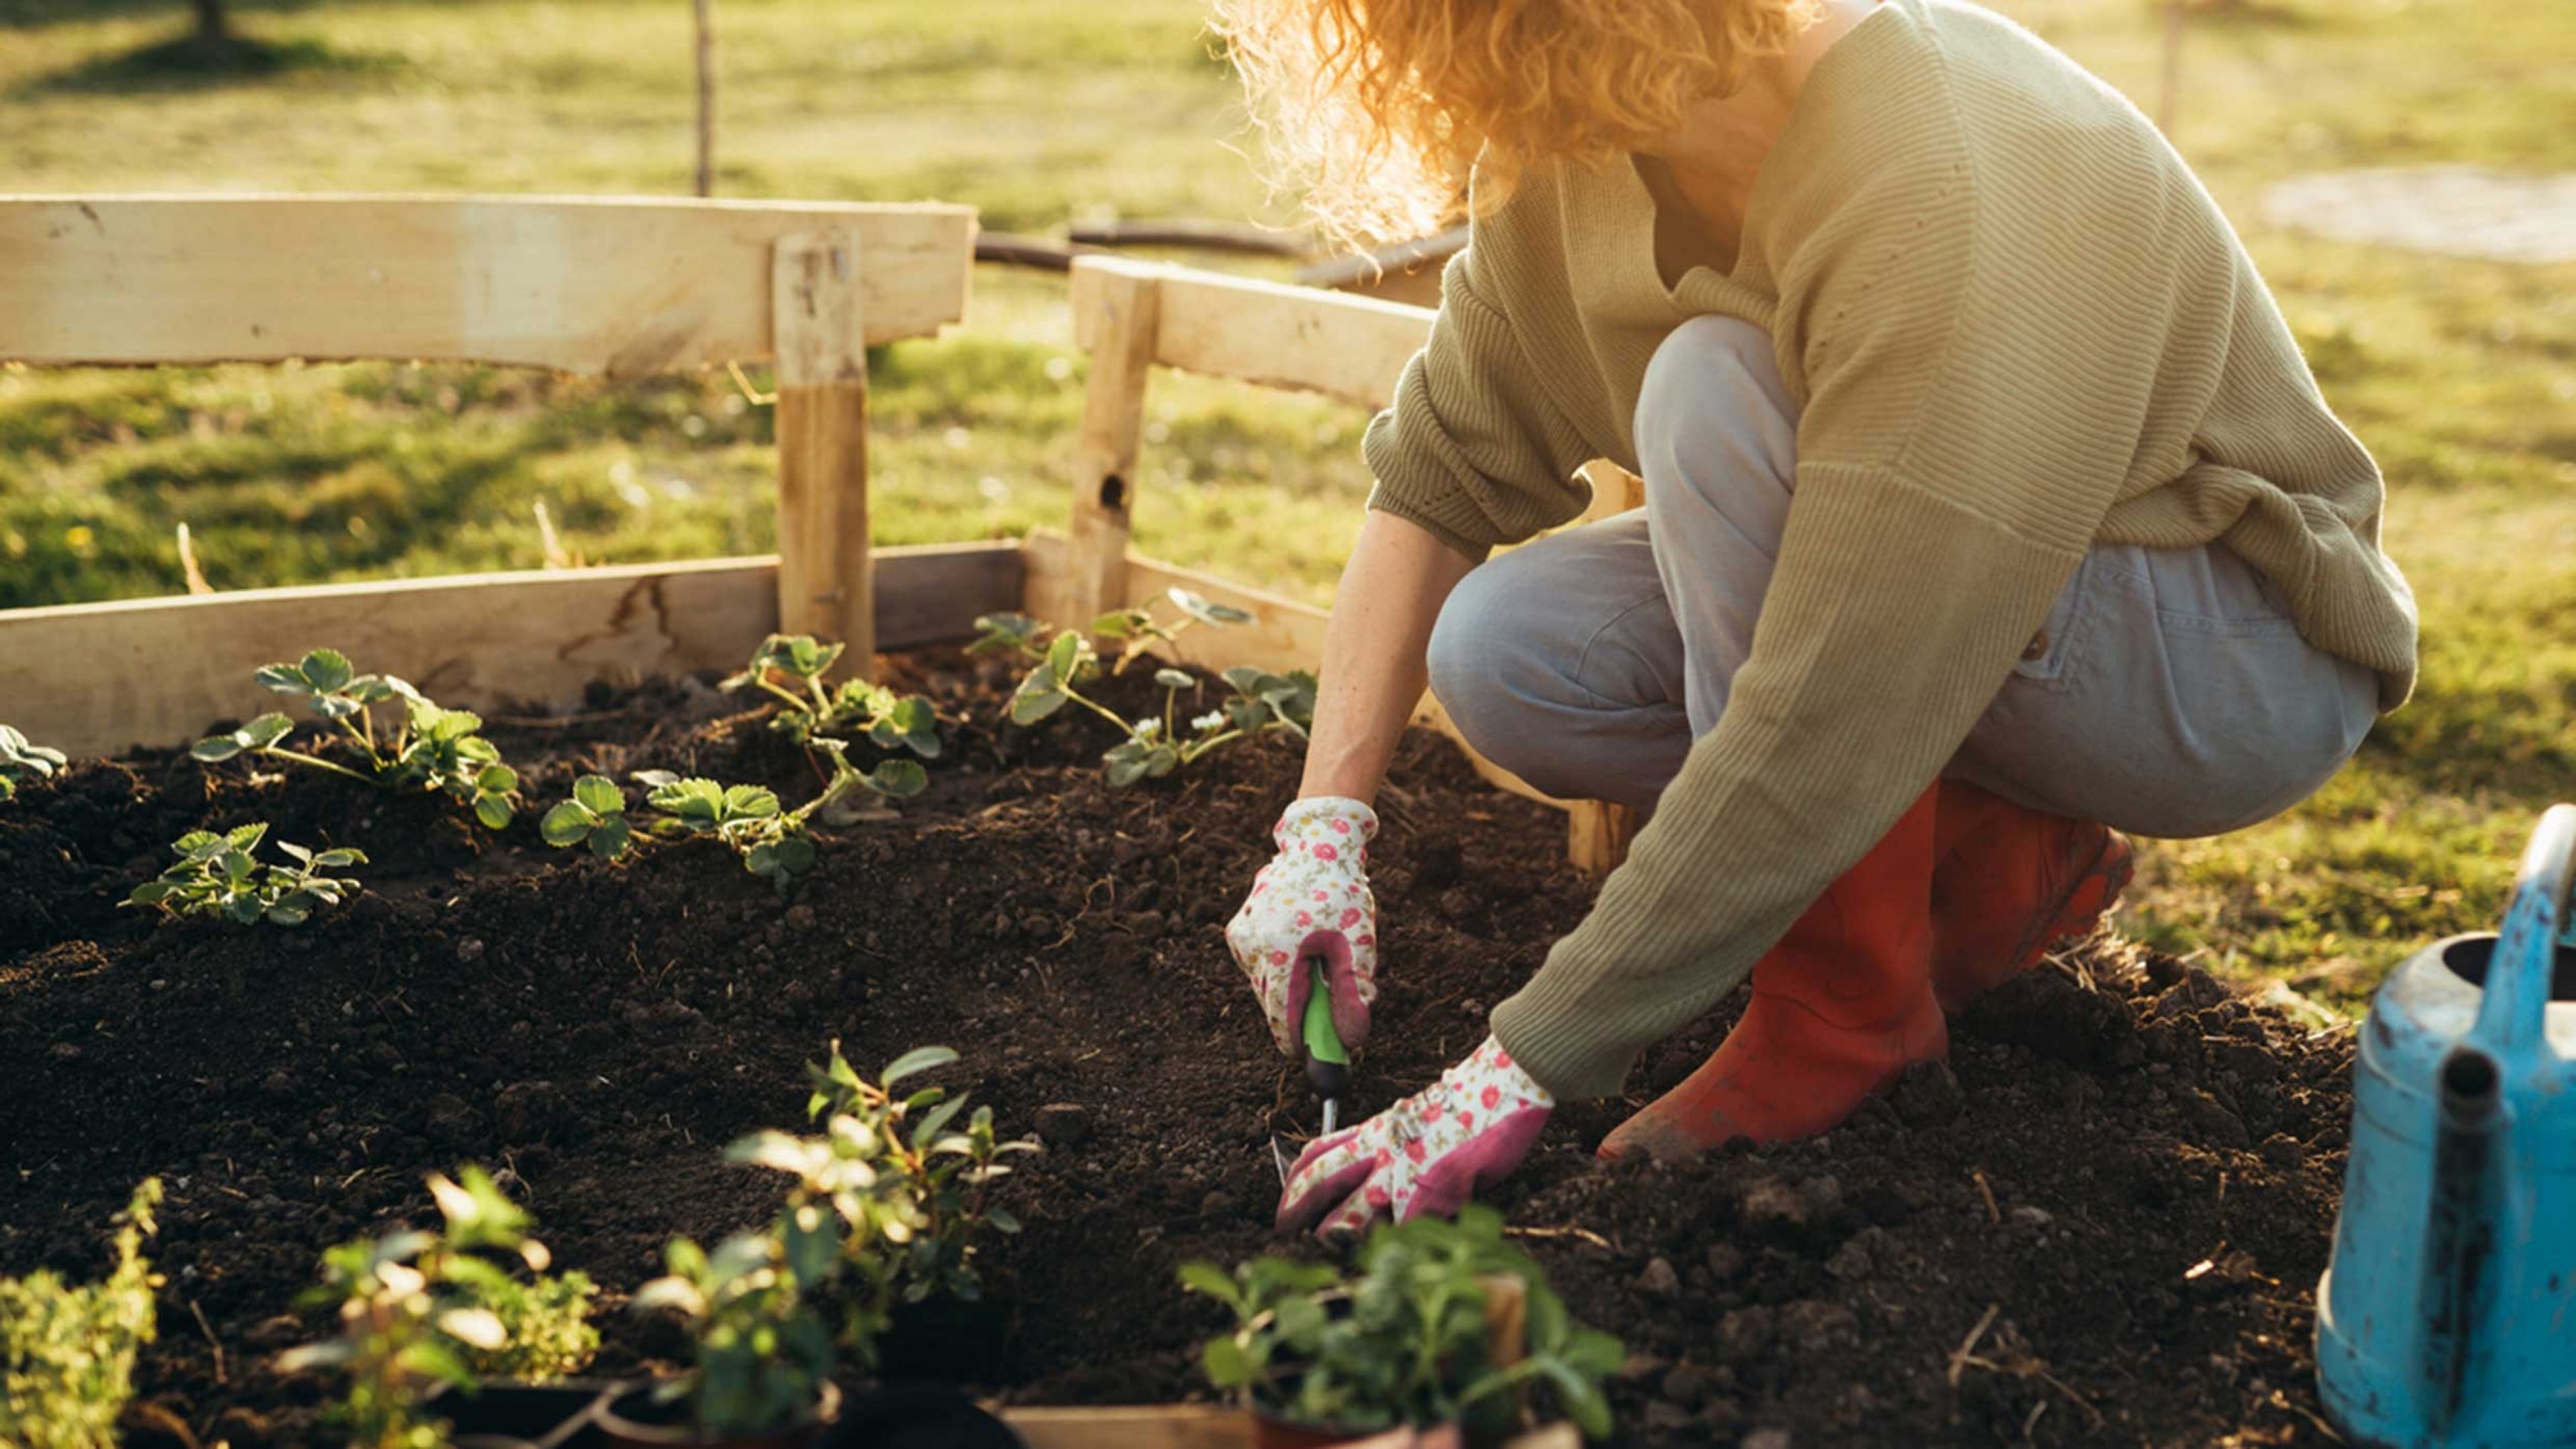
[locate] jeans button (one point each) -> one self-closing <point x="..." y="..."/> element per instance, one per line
<point x="2037" y="649"/>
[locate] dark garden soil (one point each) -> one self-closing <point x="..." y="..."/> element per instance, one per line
<point x="2104" y="1228"/>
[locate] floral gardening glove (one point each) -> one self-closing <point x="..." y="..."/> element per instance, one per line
<point x="1312" y="902"/>
<point x="1426" y="1154"/>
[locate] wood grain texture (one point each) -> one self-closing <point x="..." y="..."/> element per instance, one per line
<point x="1598" y="833"/>
<point x="94" y="679"/>
<point x="1118" y="311"/>
<point x="621" y="287"/>
<point x="823" y="586"/>
<point x="1298" y="338"/>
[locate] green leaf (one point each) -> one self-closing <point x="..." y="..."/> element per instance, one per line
<point x="599" y="795"/>
<point x="795" y="855"/>
<point x="1200" y="1276"/>
<point x="1206" y="610"/>
<point x="1174" y="679"/>
<point x="214" y="749"/>
<point x="1126" y="765"/>
<point x="610" y="839"/>
<point x="340" y="858"/>
<point x="1002" y="1219"/>
<point x="497" y="780"/>
<point x="1030" y="705"/>
<point x="1063" y="655"/>
<point x="326" y="670"/>
<point x="264" y="731"/>
<point x="919" y="1059"/>
<point x="493" y="810"/>
<point x="569" y="823"/>
<point x="1227" y="1366"/>
<point x="750" y="800"/>
<point x="898" y="779"/>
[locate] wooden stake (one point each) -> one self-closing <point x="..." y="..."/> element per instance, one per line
<point x="1598" y="833"/>
<point x="1124" y="306"/>
<point x="824" y="581"/>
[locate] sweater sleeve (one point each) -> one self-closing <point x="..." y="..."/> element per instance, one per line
<point x="1959" y="442"/>
<point x="1473" y="449"/>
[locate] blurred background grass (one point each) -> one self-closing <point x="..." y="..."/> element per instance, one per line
<point x="2460" y="374"/>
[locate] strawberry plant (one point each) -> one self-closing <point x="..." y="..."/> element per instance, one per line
<point x="20" y="760"/>
<point x="218" y="875"/>
<point x="429" y="750"/>
<point x="763" y="1353"/>
<point x="774" y="842"/>
<point x="808" y="709"/>
<point x="416" y="1309"/>
<point x="1156" y="745"/>
<point x="1406" y="1341"/>
<point x="67" y="1350"/>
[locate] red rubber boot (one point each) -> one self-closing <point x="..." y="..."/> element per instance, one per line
<point x="1840" y="1007"/>
<point x="2009" y="883"/>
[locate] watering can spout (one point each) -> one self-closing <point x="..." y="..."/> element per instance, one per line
<point x="2459" y="1233"/>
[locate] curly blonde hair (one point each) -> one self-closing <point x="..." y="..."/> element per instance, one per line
<point x="1377" y="108"/>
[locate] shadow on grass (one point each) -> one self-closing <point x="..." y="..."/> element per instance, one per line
<point x="194" y="63"/>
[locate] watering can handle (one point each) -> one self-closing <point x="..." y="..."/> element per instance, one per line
<point x="2511" y="1018"/>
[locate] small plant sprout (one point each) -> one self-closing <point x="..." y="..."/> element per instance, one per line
<point x="909" y="1186"/>
<point x="20" y="760"/>
<point x="774" y="842"/>
<point x="546" y="1330"/>
<point x="763" y="1353"/>
<point x="67" y="1350"/>
<point x="1408" y="1339"/>
<point x="1156" y="746"/>
<point x="790" y="669"/>
<point x="431" y="750"/>
<point x="416" y="1309"/>
<point x="219" y="875"/>
<point x="595" y="816"/>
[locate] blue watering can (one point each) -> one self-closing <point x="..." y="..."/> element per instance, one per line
<point x="2447" y="1319"/>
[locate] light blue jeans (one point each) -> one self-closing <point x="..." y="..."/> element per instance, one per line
<point x="2168" y="694"/>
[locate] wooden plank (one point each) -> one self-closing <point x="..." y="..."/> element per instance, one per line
<point x="93" y="679"/>
<point x="1598" y="833"/>
<point x="1119" y="307"/>
<point x="1137" y="1426"/>
<point x="1286" y="634"/>
<point x="1352" y="348"/>
<point x="823" y="586"/>
<point x="613" y="286"/>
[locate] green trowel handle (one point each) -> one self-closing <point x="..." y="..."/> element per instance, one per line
<point x="1328" y="1065"/>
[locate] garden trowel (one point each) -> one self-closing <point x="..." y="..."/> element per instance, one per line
<point x="1328" y="1062"/>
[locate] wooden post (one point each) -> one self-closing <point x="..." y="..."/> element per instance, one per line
<point x="1124" y="301"/>
<point x="1597" y="832"/>
<point x="825" y="584"/>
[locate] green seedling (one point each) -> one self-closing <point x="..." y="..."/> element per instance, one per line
<point x="430" y="750"/>
<point x="67" y="1350"/>
<point x="1405" y="1341"/>
<point x="416" y="1310"/>
<point x="219" y="875"/>
<point x="595" y="816"/>
<point x="762" y="1351"/>
<point x="775" y="843"/>
<point x="1157" y="745"/>
<point x="20" y="760"/>
<point x="546" y="1331"/>
<point x="790" y="669"/>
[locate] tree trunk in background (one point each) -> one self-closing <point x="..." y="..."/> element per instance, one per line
<point x="211" y="26"/>
<point x="706" y="97"/>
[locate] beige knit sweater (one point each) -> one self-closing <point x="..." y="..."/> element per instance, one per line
<point x="2017" y="326"/>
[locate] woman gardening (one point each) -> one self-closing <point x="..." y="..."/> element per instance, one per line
<point x="1990" y="511"/>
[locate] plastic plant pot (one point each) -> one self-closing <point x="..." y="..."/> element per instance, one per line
<point x="505" y="1415"/>
<point x="946" y="1341"/>
<point x="631" y="1419"/>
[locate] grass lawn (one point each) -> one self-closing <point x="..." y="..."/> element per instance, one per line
<point x="2461" y="375"/>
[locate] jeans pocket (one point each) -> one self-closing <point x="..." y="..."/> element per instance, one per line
<point x="2053" y="653"/>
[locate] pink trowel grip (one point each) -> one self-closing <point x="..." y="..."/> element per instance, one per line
<point x="1341" y="982"/>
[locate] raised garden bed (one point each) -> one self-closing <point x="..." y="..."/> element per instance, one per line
<point x="2105" y="1229"/>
